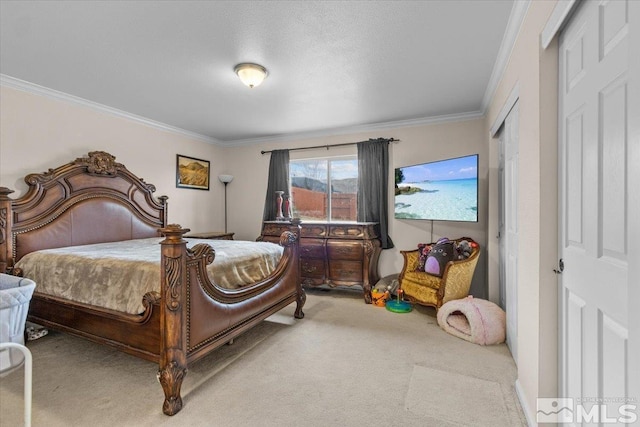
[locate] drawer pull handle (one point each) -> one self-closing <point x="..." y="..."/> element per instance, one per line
<point x="309" y="269"/>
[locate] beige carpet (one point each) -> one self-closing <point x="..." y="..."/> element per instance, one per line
<point x="452" y="393"/>
<point x="345" y="363"/>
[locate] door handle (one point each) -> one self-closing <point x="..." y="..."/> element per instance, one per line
<point x="560" y="268"/>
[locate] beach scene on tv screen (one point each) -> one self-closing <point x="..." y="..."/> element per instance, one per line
<point x="445" y="190"/>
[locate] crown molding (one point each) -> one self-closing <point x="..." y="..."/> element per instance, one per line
<point x="516" y="18"/>
<point x="33" y="88"/>
<point x="358" y="129"/>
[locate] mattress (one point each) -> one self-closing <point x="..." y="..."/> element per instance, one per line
<point x="117" y="275"/>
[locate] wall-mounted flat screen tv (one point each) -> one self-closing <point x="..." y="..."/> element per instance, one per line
<point x="444" y="190"/>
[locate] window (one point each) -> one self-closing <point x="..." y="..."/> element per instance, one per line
<point x="324" y="189"/>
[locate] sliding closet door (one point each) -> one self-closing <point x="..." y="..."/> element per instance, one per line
<point x="508" y="225"/>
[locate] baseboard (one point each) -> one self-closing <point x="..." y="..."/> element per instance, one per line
<point x="530" y="416"/>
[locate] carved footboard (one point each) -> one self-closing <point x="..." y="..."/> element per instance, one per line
<point x="197" y="316"/>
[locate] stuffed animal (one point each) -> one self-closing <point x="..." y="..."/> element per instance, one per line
<point x="464" y="249"/>
<point x="423" y="253"/>
<point x="440" y="254"/>
<point x="387" y="283"/>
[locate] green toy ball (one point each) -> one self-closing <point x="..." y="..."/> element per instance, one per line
<point x="398" y="306"/>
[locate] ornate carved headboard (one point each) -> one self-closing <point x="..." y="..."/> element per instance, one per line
<point x="92" y="199"/>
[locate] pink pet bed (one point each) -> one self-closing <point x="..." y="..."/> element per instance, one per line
<point x="476" y="320"/>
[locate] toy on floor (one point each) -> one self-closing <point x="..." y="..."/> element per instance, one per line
<point x="387" y="283"/>
<point x="398" y="305"/>
<point x="34" y="333"/>
<point x="379" y="298"/>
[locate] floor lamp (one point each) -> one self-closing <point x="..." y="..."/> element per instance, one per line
<point x="225" y="179"/>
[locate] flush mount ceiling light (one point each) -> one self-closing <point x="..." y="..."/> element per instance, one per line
<point x="251" y="74"/>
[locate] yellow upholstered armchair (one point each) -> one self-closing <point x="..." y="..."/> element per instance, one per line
<point x="427" y="289"/>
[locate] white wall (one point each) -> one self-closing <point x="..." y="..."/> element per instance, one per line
<point x="38" y="132"/>
<point x="535" y="70"/>
<point x="247" y="192"/>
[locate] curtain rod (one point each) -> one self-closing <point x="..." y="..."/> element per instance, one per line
<point x="335" y="145"/>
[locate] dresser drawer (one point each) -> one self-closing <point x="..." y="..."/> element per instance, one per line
<point x="349" y="231"/>
<point x="347" y="250"/>
<point x="312" y="248"/>
<point x="313" y="230"/>
<point x="348" y="271"/>
<point x="275" y="229"/>
<point x="313" y="268"/>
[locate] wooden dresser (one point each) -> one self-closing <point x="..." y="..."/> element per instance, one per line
<point x="334" y="254"/>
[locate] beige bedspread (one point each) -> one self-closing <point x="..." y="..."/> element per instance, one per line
<point x="117" y="275"/>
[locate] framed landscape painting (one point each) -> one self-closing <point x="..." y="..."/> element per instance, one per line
<point x="192" y="173"/>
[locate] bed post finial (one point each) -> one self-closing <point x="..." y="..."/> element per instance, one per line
<point x="173" y="313"/>
<point x="165" y="205"/>
<point x="173" y="232"/>
<point x="6" y="251"/>
<point x="4" y="193"/>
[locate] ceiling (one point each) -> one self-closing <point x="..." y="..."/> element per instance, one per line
<point x="332" y="65"/>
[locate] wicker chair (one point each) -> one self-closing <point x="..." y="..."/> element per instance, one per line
<point x="426" y="289"/>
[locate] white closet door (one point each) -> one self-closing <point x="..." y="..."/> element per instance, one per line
<point x="594" y="189"/>
<point x="508" y="227"/>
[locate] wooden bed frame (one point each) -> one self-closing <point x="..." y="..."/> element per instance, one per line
<point x="94" y="199"/>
